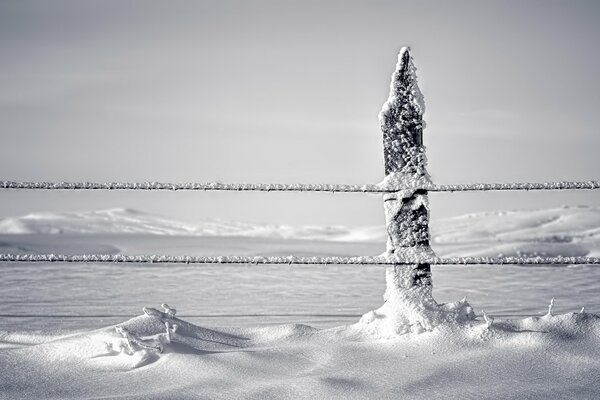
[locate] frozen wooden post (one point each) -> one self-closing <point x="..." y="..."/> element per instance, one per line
<point x="409" y="305"/>
<point x="406" y="213"/>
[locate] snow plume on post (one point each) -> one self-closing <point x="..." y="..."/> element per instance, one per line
<point x="409" y="305"/>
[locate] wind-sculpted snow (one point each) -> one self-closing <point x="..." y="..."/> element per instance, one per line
<point x="158" y="355"/>
<point x="408" y="257"/>
<point x="302" y="187"/>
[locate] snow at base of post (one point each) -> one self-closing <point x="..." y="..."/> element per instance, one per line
<point x="409" y="306"/>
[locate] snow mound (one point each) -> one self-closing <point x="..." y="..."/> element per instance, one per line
<point x="400" y="315"/>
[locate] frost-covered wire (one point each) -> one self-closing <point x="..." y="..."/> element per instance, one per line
<point x="415" y="258"/>
<point x="562" y="185"/>
<point x="201" y="186"/>
<point x="297" y="187"/>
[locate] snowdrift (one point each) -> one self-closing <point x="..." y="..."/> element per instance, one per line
<point x="157" y="355"/>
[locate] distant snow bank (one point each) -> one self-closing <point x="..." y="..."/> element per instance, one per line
<point x="573" y="231"/>
<point x="554" y="225"/>
<point x="128" y="221"/>
<point x="565" y="231"/>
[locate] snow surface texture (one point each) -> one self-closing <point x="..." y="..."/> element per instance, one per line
<point x="554" y="356"/>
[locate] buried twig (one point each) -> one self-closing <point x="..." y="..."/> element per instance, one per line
<point x="488" y="320"/>
<point x="550" y="307"/>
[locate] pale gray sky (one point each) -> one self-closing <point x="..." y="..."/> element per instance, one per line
<point x="282" y="91"/>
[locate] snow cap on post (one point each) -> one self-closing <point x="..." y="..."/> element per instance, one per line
<point x="401" y="121"/>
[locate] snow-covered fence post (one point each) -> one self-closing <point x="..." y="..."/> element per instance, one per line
<point x="409" y="305"/>
<point x="406" y="212"/>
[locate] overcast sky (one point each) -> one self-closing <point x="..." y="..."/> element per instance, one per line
<point x="282" y="91"/>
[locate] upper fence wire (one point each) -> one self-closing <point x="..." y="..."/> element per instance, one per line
<point x="298" y="187"/>
<point x="296" y="260"/>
